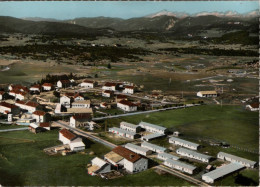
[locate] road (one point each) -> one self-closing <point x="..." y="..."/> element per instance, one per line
<point x="144" y="112"/>
<point x="85" y="134"/>
<point x="18" y="129"/>
<point x="181" y="175"/>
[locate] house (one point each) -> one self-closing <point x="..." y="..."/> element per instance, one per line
<point x="120" y="97"/>
<point x="130" y="127"/>
<point x="78" y="97"/>
<point x="110" y="86"/>
<point x="153" y="136"/>
<point x="153" y="128"/>
<point x="47" y="86"/>
<point x="165" y="156"/>
<point x="35" y="87"/>
<point x="127" y="106"/>
<point x="45" y="125"/>
<point x="207" y="94"/>
<point x="138" y="149"/>
<point x="98" y="166"/>
<point x="18" y="88"/>
<point x="75" y="142"/>
<point x="123" y="133"/>
<point x="253" y="106"/>
<point x="79" y="120"/>
<point x="181" y="166"/>
<point x="184" y="143"/>
<point x="41" y="116"/>
<point x="20" y="96"/>
<point x="220" y="172"/>
<point x="131" y="161"/>
<point x="66" y="100"/>
<point x="34" y="128"/>
<point x="39" y="127"/>
<point x="6" y="108"/>
<point x="88" y="84"/>
<point x="193" y="154"/>
<point x="63" y="83"/>
<point x="236" y="159"/>
<point x="107" y="93"/>
<point x="129" y="89"/>
<point x="153" y="147"/>
<point x="28" y="106"/>
<point x="3" y="95"/>
<point x="104" y="105"/>
<point x="81" y="104"/>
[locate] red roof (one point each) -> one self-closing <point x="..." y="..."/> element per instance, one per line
<point x="65" y="81"/>
<point x="47" y="84"/>
<point x="19" y="87"/>
<point x="254" y="105"/>
<point x="22" y="93"/>
<point x="7" y="105"/>
<point x="39" y="113"/>
<point x="109" y="84"/>
<point x="128" y="103"/>
<point x="88" y="81"/>
<point x="127" y="154"/>
<point x="28" y="103"/>
<point x="2" y="92"/>
<point x="108" y="91"/>
<point x="77" y="95"/>
<point x="130" y="87"/>
<point x="67" y="134"/>
<point x="46" y="124"/>
<point x="36" y="86"/>
<point x="121" y="96"/>
<point x="82" y="116"/>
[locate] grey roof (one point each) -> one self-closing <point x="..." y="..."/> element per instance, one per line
<point x="181" y="164"/>
<point x="224" y="170"/>
<point x="168" y="156"/>
<point x="184" y="141"/>
<point x="194" y="153"/>
<point x="151" y="125"/>
<point x="151" y="136"/>
<point x="122" y="131"/>
<point x="133" y="146"/>
<point x="153" y="146"/>
<point x="237" y="158"/>
<point x="129" y="125"/>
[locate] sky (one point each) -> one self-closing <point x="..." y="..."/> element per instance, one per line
<point x="124" y="9"/>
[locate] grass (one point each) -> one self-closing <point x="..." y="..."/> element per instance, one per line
<point x="6" y="126"/>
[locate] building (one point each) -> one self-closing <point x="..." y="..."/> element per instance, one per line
<point x="236" y="159"/>
<point x="28" y="106"/>
<point x="80" y="120"/>
<point x="153" y="136"/>
<point x="88" y="84"/>
<point x="127" y="106"/>
<point x="6" y="108"/>
<point x="39" y="127"/>
<point x="35" y="88"/>
<point x="138" y="149"/>
<point x="207" y="94"/>
<point x="253" y="106"/>
<point x="153" y="128"/>
<point x="78" y="97"/>
<point x="98" y="166"/>
<point x="129" y="89"/>
<point x="107" y="93"/>
<point x="21" y="96"/>
<point x="123" y="133"/>
<point x="3" y="95"/>
<point x="63" y="83"/>
<point x="165" y="156"/>
<point x="34" y="128"/>
<point x="181" y="166"/>
<point x="18" y="87"/>
<point x="130" y="127"/>
<point x="47" y="86"/>
<point x="131" y="161"/>
<point x="153" y="147"/>
<point x="81" y="104"/>
<point x="184" y="143"/>
<point x="110" y="86"/>
<point x="104" y="105"/>
<point x="41" y="116"/>
<point x="66" y="101"/>
<point x="120" y="97"/>
<point x="75" y="142"/>
<point x="220" y="172"/>
<point x="193" y="154"/>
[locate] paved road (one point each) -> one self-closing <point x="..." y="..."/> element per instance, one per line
<point x="85" y="134"/>
<point x="143" y="112"/>
<point x="18" y="129"/>
<point x="181" y="175"/>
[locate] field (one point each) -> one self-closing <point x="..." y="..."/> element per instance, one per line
<point x="23" y="162"/>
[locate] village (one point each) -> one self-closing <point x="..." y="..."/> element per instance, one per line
<point x="80" y="106"/>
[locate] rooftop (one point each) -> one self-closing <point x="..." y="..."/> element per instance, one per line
<point x="128" y="103"/>
<point x="151" y="136"/>
<point x="184" y="141"/>
<point x="237" y="158"/>
<point x="168" y="156"/>
<point x="47" y="84"/>
<point x="208" y="92"/>
<point x="67" y="134"/>
<point x="39" y="113"/>
<point x="181" y="164"/>
<point x="194" y="153"/>
<point x="113" y="156"/>
<point x="122" y="131"/>
<point x="7" y="105"/>
<point x="109" y="84"/>
<point x="145" y="124"/>
<point x="129" y="125"/>
<point x="127" y="154"/>
<point x="84" y="116"/>
<point x="146" y="144"/>
<point x="133" y="146"/>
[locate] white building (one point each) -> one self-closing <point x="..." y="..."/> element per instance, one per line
<point x="28" y="105"/>
<point x="40" y="116"/>
<point x="63" y="83"/>
<point x="36" y="87"/>
<point x="80" y="120"/>
<point x="81" y="104"/>
<point x="153" y="128"/>
<point x="47" y="86"/>
<point x="107" y="93"/>
<point x="110" y="86"/>
<point x="253" y="107"/>
<point x="75" y="142"/>
<point x="138" y="149"/>
<point x="123" y="133"/>
<point x="207" y="94"/>
<point x="153" y="136"/>
<point x="181" y="166"/>
<point x="130" y="127"/>
<point x="78" y="97"/>
<point x="153" y="147"/>
<point x="21" y="96"/>
<point x="127" y="106"/>
<point x="165" y="156"/>
<point x="193" y="154"/>
<point x="65" y="101"/>
<point x="98" y="166"/>
<point x="184" y="143"/>
<point x="88" y="84"/>
<point x="129" y="89"/>
<point x="6" y="108"/>
<point x="236" y="159"/>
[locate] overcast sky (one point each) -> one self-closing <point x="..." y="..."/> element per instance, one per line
<point x="123" y="9"/>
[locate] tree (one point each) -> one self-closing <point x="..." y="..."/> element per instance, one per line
<point x="109" y="66"/>
<point x="96" y="75"/>
<point x="56" y="94"/>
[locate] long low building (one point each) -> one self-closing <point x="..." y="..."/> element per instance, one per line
<point x="153" y="128"/>
<point x="187" y="168"/>
<point x="193" y="154"/>
<point x="236" y="159"/>
<point x="184" y="143"/>
<point x="153" y="147"/>
<point x="152" y="136"/>
<point x="138" y="149"/>
<point x="165" y="156"/>
<point x="221" y="172"/>
<point x="130" y="127"/>
<point x="123" y="133"/>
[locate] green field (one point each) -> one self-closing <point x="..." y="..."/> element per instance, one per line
<point x="23" y="162"/>
<point x="6" y="126"/>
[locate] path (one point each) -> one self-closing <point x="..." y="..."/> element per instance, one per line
<point x="18" y="129"/>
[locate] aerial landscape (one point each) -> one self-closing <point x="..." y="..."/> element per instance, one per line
<point x="139" y="93"/>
